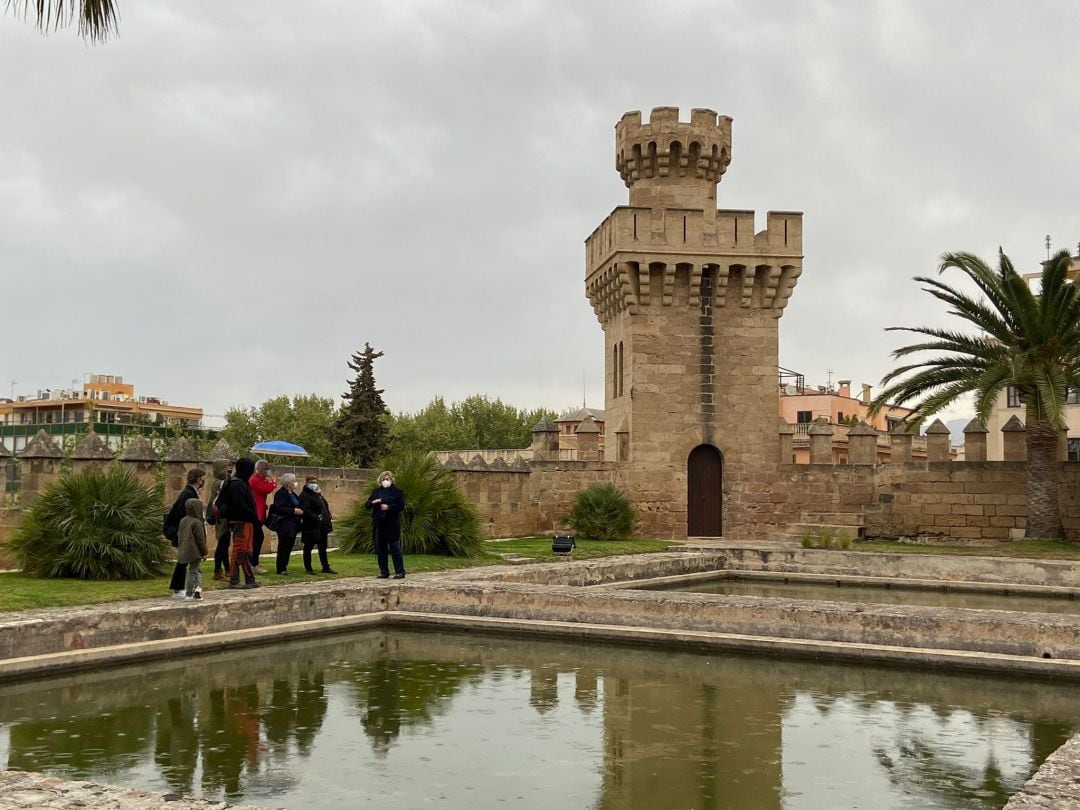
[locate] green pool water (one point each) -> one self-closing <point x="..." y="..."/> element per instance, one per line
<point x="407" y="719"/>
<point x="777" y="588"/>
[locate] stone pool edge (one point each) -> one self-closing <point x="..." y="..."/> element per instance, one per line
<point x="1056" y="785"/>
<point x="374" y="605"/>
<point x="70" y="661"/>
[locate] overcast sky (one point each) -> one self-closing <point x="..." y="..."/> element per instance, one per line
<point x="230" y="198"/>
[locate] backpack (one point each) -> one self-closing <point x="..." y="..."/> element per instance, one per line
<point x="217" y="509"/>
<point x="169" y="529"/>
<point x="170" y="525"/>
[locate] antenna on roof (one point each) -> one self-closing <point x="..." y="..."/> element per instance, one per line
<point x="583" y="405"/>
<point x="1048" y="247"/>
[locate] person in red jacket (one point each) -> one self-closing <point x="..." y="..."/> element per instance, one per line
<point x="261" y="485"/>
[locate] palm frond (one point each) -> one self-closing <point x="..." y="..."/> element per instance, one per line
<point x="97" y="20"/>
<point x="1024" y="339"/>
<point x="103" y="526"/>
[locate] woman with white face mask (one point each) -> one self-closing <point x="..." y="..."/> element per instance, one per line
<point x="386" y="504"/>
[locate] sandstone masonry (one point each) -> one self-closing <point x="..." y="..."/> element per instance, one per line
<point x="689" y="298"/>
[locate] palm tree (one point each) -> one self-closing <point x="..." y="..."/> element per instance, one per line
<point x="1029" y="341"/>
<point x="96" y="19"/>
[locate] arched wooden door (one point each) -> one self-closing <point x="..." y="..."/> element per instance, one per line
<point x="705" y="492"/>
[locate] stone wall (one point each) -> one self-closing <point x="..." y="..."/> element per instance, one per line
<point x="553" y="485"/>
<point x="9" y="519"/>
<point x="975" y="501"/>
<point x="342" y="487"/>
<point x="502" y="499"/>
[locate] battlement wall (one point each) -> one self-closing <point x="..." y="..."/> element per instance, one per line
<point x="642" y="257"/>
<point x="691" y="233"/>
<point x="665" y="147"/>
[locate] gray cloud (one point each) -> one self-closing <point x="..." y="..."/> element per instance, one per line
<point x="421" y="175"/>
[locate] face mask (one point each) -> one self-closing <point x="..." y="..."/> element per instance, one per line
<point x="386" y="484"/>
<point x="313" y="487"/>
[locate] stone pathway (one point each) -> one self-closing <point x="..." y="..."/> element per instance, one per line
<point x="21" y="791"/>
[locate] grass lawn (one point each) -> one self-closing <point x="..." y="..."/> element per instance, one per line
<point x="19" y="592"/>
<point x="1040" y="549"/>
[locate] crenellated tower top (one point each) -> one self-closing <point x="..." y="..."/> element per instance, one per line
<point x="670" y="164"/>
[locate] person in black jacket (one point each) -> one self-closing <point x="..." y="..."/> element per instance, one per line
<point x="195" y="478"/>
<point x="386" y="504"/>
<point x="316" y="524"/>
<point x="240" y="511"/>
<point x="223" y="470"/>
<point x="285" y="514"/>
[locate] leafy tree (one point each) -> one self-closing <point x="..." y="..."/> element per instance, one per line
<point x="1027" y="340"/>
<point x="307" y="420"/>
<point x="437" y="517"/>
<point x="242" y="428"/>
<point x="96" y="19"/>
<point x="93" y="526"/>
<point x="432" y="428"/>
<point x="393" y="695"/>
<point x="360" y="431"/>
<point x="476" y="423"/>
<point x="602" y="512"/>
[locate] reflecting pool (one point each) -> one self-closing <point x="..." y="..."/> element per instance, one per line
<point x="777" y="588"/>
<point x="404" y="719"/>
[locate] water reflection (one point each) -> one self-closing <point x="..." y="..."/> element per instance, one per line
<point x="407" y="718"/>
<point x="176" y="744"/>
<point x="392" y="694"/>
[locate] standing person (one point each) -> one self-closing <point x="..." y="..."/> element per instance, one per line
<point x="285" y="515"/>
<point x="242" y="517"/>
<point x="261" y="485"/>
<point x="386" y="504"/>
<point x="316" y="524"/>
<point x="192" y="548"/>
<point x="223" y="470"/>
<point x="171" y="528"/>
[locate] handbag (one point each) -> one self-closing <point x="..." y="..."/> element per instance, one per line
<point x="273" y="520"/>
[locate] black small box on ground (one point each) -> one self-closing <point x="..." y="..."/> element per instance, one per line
<point x="562" y="543"/>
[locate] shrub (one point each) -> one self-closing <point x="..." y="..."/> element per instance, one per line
<point x="807" y="540"/>
<point x="93" y="526"/>
<point x="437" y="518"/>
<point x="844" y="540"/>
<point x="602" y="512"/>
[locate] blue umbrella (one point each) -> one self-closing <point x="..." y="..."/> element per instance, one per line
<point x="279" y="448"/>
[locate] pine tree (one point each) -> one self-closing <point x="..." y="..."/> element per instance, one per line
<point x="360" y="431"/>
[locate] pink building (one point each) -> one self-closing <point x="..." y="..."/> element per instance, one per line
<point x="801" y="405"/>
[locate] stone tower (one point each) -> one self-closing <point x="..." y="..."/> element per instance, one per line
<point x="689" y="299"/>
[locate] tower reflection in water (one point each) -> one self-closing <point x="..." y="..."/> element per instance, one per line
<point x="326" y="723"/>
